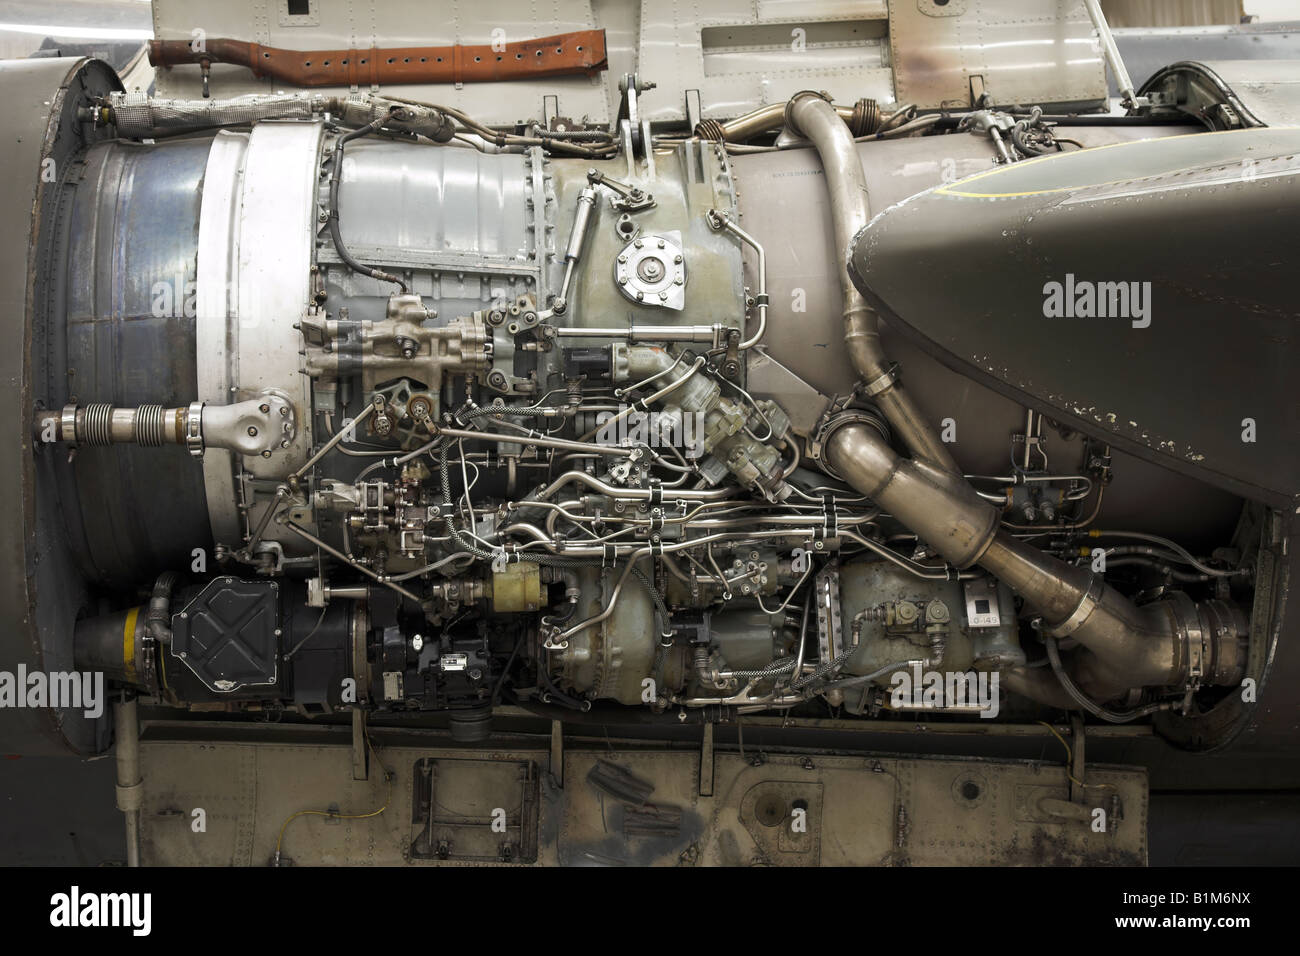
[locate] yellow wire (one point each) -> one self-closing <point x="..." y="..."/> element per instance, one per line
<point x="1069" y="761"/>
<point x="388" y="778"/>
<point x="1069" y="754"/>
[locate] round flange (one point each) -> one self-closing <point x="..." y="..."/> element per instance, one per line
<point x="651" y="270"/>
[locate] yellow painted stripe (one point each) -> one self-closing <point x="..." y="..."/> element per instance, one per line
<point x="128" y="642"/>
<point x="1059" y="158"/>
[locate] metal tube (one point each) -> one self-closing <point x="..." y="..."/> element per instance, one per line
<point x="613" y="491"/>
<point x="338" y="437"/>
<point x="809" y="114"/>
<point x="719" y="221"/>
<point x="647" y="333"/>
<point x="1116" y="62"/>
<point x="329" y="549"/>
<point x="1122" y="646"/>
<point x="671" y="386"/>
<point x="130" y="786"/>
<point x="766" y="119"/>
<point x="524" y="438"/>
<point x="577" y="239"/>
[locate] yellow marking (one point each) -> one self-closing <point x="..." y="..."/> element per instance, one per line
<point x="1060" y="157"/>
<point x="128" y="642"/>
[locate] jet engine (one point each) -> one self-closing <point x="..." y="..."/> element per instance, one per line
<point x="323" y="404"/>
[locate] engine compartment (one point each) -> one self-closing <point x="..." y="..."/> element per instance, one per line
<point x="569" y="423"/>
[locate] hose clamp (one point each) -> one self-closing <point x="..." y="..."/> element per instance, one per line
<point x="881" y="382"/>
<point x="1195" y="640"/>
<point x="838" y="415"/>
<point x="1089" y="601"/>
<point x="68" y="424"/>
<point x="194" y="429"/>
<point x="830" y="520"/>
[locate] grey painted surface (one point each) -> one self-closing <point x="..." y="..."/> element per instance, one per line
<point x="59" y="812"/>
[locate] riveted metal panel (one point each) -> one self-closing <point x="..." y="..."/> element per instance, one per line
<point x="766" y="808"/>
<point x="1021" y="51"/>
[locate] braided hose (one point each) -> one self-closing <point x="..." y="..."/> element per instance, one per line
<point x="774" y="669"/>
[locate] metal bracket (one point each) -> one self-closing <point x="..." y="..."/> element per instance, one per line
<point x="629" y="198"/>
<point x="360" y="752"/>
<point x="557" y="753"/>
<point x="706" y="761"/>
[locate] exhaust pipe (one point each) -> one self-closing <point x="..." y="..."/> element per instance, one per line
<point x="811" y="116"/>
<point x="1119" y="646"/>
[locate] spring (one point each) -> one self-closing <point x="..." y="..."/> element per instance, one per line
<point x="150" y="426"/>
<point x="96" y="425"/>
<point x="711" y="130"/>
<point x="866" y="118"/>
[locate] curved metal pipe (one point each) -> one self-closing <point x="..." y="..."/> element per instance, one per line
<point x="1121" y="646"/>
<point x="816" y="119"/>
<point x="718" y="221"/>
<point x="768" y="119"/>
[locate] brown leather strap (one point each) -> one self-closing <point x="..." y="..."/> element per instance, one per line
<point x="567" y="54"/>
